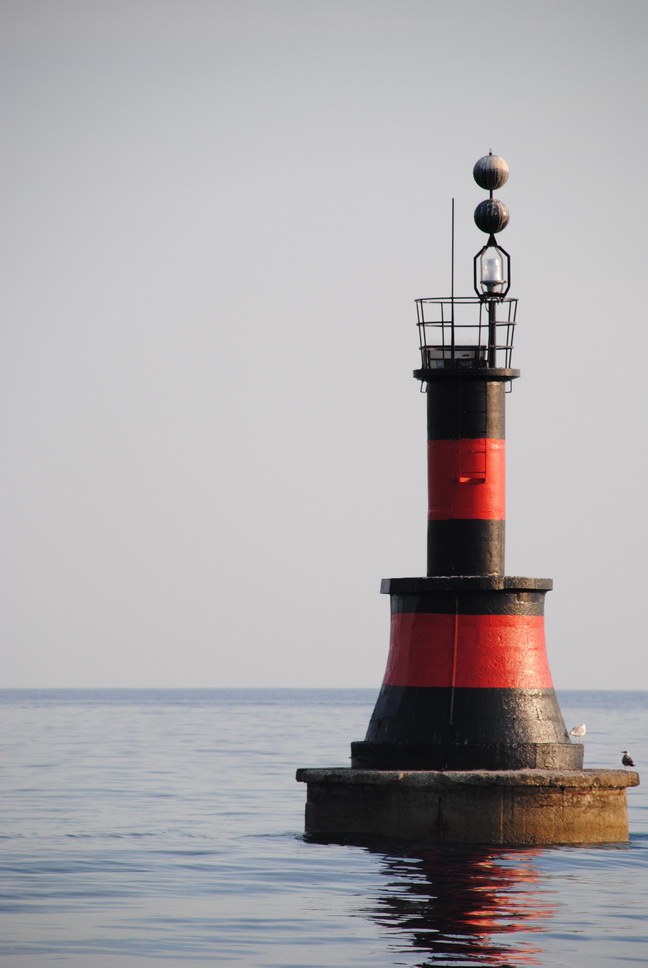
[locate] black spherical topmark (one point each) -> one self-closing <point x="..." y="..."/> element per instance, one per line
<point x="491" y="172"/>
<point x="491" y="216"/>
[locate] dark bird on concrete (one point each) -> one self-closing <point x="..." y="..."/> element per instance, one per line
<point x="627" y="759"/>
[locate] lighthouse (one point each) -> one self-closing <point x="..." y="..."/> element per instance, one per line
<point x="468" y="685"/>
<point x="466" y="742"/>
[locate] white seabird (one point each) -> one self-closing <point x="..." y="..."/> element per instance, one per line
<point x="578" y="730"/>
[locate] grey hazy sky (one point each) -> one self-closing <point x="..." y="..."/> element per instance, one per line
<point x="216" y="217"/>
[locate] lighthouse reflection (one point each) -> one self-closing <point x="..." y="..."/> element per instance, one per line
<point x="456" y="905"/>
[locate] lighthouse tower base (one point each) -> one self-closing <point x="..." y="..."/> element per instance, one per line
<point x="521" y="807"/>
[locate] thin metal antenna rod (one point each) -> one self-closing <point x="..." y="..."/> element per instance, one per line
<point x="452" y="260"/>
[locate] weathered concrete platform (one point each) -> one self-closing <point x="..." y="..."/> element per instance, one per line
<point x="472" y="807"/>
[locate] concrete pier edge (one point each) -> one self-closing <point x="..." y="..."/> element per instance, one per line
<point x="516" y="807"/>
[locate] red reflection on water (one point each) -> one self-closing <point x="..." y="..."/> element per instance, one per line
<point x="454" y="903"/>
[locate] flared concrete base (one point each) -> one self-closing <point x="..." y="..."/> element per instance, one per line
<point x="472" y="807"/>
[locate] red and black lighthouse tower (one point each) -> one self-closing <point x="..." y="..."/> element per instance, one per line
<point x="468" y="685"/>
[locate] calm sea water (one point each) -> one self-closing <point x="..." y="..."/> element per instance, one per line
<point x="165" y="827"/>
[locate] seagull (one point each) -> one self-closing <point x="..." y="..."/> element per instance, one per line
<point x="578" y="730"/>
<point x="627" y="759"/>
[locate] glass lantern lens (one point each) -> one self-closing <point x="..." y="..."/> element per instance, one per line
<point x="492" y="270"/>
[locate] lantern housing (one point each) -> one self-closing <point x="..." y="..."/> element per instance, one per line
<point x="492" y="271"/>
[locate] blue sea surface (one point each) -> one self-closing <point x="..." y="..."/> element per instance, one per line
<point x="165" y="826"/>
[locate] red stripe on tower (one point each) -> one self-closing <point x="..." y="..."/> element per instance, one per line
<point x="472" y="651"/>
<point x="466" y="479"/>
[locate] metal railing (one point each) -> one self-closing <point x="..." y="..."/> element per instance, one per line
<point x="466" y="331"/>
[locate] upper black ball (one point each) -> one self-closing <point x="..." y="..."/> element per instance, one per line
<point x="491" y="172"/>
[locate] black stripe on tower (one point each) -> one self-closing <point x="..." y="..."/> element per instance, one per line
<point x="466" y="729"/>
<point x="479" y="602"/>
<point x="465" y="408"/>
<point x="466" y="547"/>
<point x="463" y="716"/>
